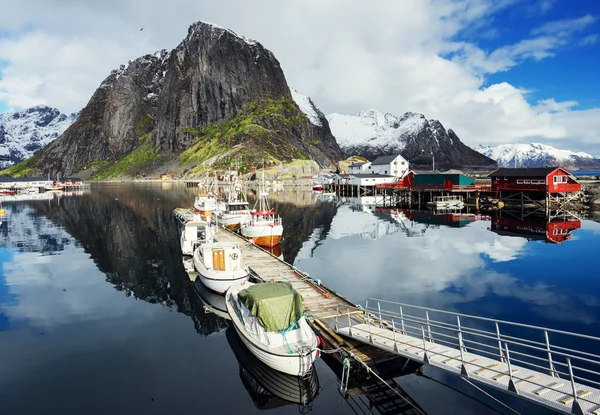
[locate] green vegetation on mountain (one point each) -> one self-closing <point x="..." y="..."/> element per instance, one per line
<point x="137" y="158"/>
<point x="260" y="128"/>
<point x="23" y="169"/>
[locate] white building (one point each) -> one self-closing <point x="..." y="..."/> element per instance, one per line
<point x="394" y="165"/>
<point x="359" y="168"/>
<point x="370" y="179"/>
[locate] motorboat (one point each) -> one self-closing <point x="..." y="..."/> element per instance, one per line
<point x="213" y="302"/>
<point x="270" y="321"/>
<point x="267" y="387"/>
<point x="219" y="265"/>
<point x="263" y="226"/>
<point x="205" y="204"/>
<point x="195" y="232"/>
<point x="236" y="212"/>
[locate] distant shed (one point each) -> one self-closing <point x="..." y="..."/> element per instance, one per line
<point x="441" y="180"/>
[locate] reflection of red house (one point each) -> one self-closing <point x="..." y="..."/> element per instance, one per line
<point x="554" y="231"/>
<point x="546" y="180"/>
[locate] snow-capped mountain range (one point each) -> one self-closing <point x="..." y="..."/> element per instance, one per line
<point x="371" y="134"/>
<point x="24" y="132"/>
<point x="538" y="155"/>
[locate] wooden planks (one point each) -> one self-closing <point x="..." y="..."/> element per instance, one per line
<point x="319" y="302"/>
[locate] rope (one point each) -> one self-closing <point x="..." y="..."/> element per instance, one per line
<point x="490" y="396"/>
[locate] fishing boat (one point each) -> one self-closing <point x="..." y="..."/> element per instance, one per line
<point x="270" y="321"/>
<point x="208" y="202"/>
<point x="219" y="265"/>
<point x="53" y="188"/>
<point x="263" y="226"/>
<point x="195" y="232"/>
<point x="267" y="387"/>
<point x="7" y="192"/>
<point x="235" y="212"/>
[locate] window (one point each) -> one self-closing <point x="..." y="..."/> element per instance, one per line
<point x="403" y="163"/>
<point x="526" y="181"/>
<point x="369" y="167"/>
<point x="385" y="172"/>
<point x="520" y="181"/>
<point x="395" y="162"/>
<point x="505" y="178"/>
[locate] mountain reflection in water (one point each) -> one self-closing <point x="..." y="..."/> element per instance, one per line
<point x="72" y="270"/>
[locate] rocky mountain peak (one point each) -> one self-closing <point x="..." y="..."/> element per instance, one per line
<point x="168" y="102"/>
<point x="371" y="134"/>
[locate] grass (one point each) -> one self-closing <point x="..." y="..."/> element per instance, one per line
<point x="246" y="126"/>
<point x="23" y="169"/>
<point x="138" y="157"/>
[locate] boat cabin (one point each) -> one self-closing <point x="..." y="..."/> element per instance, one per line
<point x="543" y="179"/>
<point x="262" y="216"/>
<point x="195" y="232"/>
<point x="221" y="256"/>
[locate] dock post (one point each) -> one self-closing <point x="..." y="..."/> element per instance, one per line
<point x="511" y="383"/>
<point x="550" y="364"/>
<point x="499" y="342"/>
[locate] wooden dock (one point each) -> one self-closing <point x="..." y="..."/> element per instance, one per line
<point x="320" y="302"/>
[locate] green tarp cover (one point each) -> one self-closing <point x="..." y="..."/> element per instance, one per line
<point x="276" y="304"/>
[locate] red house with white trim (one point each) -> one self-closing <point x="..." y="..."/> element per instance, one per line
<point x="542" y="179"/>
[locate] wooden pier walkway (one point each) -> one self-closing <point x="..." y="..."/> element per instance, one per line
<point x="321" y="303"/>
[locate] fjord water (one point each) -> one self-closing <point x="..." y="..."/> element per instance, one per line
<point x="97" y="313"/>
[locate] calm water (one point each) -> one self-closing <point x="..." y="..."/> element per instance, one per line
<point x="97" y="313"/>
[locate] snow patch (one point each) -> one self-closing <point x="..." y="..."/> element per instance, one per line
<point x="531" y="155"/>
<point x="373" y="128"/>
<point x="29" y="130"/>
<point x="307" y="107"/>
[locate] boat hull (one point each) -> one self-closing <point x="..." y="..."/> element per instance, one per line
<point x="218" y="281"/>
<point x="295" y="366"/>
<point x="266" y="236"/>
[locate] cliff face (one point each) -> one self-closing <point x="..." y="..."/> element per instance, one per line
<point x="168" y="100"/>
<point x="121" y="111"/>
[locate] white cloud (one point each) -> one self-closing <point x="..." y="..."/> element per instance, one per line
<point x="394" y="56"/>
<point x="589" y="40"/>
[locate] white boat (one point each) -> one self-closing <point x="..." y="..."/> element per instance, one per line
<point x="54" y="188"/>
<point x="220" y="265"/>
<point x="235" y="212"/>
<point x="441" y="202"/>
<point x="288" y="344"/>
<point x="263" y="226"/>
<point x="195" y="232"/>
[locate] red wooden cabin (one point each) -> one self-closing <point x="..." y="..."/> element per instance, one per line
<point x="543" y="179"/>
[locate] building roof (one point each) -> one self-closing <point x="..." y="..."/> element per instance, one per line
<point x="523" y="172"/>
<point x="425" y="172"/>
<point x="358" y="164"/>
<point x="453" y="171"/>
<point x="384" y="160"/>
<point x="367" y="175"/>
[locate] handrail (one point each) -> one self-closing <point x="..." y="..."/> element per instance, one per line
<point x="465" y="335"/>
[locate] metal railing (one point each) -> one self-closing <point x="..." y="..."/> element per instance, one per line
<point x="539" y="349"/>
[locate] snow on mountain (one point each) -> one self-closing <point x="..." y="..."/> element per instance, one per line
<point x="372" y="134"/>
<point x="538" y="155"/>
<point x="307" y="107"/>
<point x="25" y="132"/>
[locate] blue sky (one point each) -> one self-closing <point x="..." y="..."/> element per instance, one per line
<point x="481" y="67"/>
<point x="572" y="74"/>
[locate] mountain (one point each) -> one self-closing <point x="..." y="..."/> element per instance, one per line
<point x="216" y="97"/>
<point x="539" y="155"/>
<point x="24" y="132"/>
<point x="372" y="134"/>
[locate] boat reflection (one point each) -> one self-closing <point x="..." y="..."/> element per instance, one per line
<point x="267" y="387"/>
<point x="551" y="229"/>
<point x="212" y="301"/>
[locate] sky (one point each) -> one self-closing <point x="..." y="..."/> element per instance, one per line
<point x="495" y="71"/>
